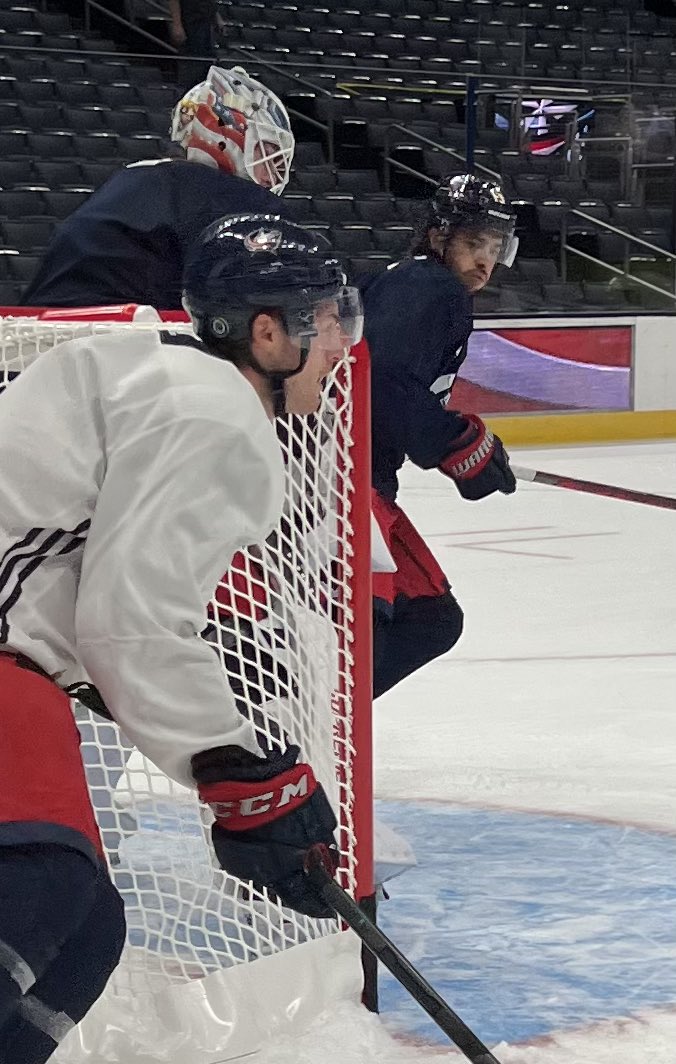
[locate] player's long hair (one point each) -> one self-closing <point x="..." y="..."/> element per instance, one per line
<point x="424" y="220"/>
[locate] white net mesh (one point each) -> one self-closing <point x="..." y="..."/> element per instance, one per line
<point x="281" y="622"/>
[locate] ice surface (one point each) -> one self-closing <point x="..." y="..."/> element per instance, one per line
<point x="560" y="699"/>
<point x="351" y="1036"/>
<point x="561" y="696"/>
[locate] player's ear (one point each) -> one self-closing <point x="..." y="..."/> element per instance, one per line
<point x="437" y="239"/>
<point x="264" y="328"/>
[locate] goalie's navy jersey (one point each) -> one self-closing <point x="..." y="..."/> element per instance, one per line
<point x="417" y="319"/>
<point x="127" y="243"/>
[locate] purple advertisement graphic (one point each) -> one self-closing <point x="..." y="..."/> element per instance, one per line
<point x="530" y="369"/>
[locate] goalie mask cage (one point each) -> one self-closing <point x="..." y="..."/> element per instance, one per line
<point x="212" y="969"/>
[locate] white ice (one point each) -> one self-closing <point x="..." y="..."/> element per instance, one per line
<point x="561" y="697"/>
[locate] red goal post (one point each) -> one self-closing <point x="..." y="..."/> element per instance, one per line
<point x="212" y="969"/>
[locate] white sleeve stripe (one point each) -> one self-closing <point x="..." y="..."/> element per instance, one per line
<point x="55" y="1025"/>
<point x="16" y="967"/>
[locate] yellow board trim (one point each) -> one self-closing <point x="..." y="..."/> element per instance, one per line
<point x="533" y="430"/>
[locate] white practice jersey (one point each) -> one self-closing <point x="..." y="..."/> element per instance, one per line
<point x="132" y="467"/>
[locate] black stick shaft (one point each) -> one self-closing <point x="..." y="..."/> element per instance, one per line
<point x="591" y="487"/>
<point x="402" y="969"/>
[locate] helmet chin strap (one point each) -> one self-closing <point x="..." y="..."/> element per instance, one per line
<point x="278" y="379"/>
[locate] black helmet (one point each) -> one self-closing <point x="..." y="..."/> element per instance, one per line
<point x="463" y="201"/>
<point x="247" y="263"/>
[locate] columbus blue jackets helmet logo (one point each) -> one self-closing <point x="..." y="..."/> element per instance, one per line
<point x="263" y="240"/>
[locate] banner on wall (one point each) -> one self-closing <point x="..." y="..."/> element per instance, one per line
<point x="581" y="368"/>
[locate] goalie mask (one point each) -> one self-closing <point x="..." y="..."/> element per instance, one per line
<point x="468" y="202"/>
<point x="246" y="264"/>
<point x="233" y="122"/>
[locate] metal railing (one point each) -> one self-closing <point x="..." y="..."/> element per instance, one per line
<point x="93" y="4"/>
<point x="392" y="163"/>
<point x="624" y="271"/>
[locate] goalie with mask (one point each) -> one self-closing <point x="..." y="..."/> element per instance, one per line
<point x="129" y="240"/>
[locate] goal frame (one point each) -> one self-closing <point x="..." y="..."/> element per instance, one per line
<point x="360" y="695"/>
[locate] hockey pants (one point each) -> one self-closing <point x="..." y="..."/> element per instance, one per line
<point x="415" y="615"/>
<point x="62" y="930"/>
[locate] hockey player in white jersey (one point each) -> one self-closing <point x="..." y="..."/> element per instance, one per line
<point x="130" y="467"/>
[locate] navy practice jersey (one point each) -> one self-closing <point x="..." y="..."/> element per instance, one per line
<point x="417" y="318"/>
<point x="127" y="243"/>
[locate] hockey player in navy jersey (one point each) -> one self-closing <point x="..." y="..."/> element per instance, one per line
<point x="168" y="461"/>
<point x="418" y="317"/>
<point x="128" y="242"/>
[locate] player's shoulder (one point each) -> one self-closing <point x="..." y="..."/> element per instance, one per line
<point x="421" y="280"/>
<point x="190" y="174"/>
<point x="187" y="190"/>
<point x="203" y="386"/>
<point x="420" y="271"/>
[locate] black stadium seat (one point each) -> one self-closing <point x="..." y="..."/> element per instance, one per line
<point x="550" y="215"/>
<point x="91" y="119"/>
<point x="96" y="173"/>
<point x="357" y="182"/>
<point x="299" y="205"/>
<point x="50" y="145"/>
<point x="61" y="204"/>
<point x="57" y="174"/>
<point x="352" y="239"/>
<point x="118" y="95"/>
<point x="539" y="271"/>
<point x="563" y="296"/>
<point x="394" y="239"/>
<point x="25" y="235"/>
<point x="126" y="122"/>
<point x="10" y="294"/>
<point x="13" y="144"/>
<point x="376" y="211"/>
<point x="317" y="181"/>
<point x="15" y="172"/>
<point x="21" y="268"/>
<point x="96" y="146"/>
<point x="77" y="93"/>
<point x="20" y="203"/>
<point x="374" y="263"/>
<point x="36" y="90"/>
<point x="335" y="208"/>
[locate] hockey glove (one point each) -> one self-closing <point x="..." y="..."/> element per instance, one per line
<point x="479" y="463"/>
<point x="269" y="811"/>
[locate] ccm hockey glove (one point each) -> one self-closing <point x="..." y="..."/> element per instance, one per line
<point x="269" y="811"/>
<point x="479" y="463"/>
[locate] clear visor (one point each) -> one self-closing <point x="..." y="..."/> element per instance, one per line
<point x="337" y="322"/>
<point x="510" y="246"/>
<point x="499" y="247"/>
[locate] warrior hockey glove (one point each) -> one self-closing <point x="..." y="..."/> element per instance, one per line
<point x="269" y="811"/>
<point x="479" y="463"/>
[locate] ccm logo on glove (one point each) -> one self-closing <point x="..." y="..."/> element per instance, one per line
<point x="240" y="805"/>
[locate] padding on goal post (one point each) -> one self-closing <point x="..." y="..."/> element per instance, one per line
<point x="212" y="969"/>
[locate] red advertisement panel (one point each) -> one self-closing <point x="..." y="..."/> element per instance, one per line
<point x="546" y="369"/>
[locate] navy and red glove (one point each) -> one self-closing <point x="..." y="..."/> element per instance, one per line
<point x="269" y="811"/>
<point x="479" y="463"/>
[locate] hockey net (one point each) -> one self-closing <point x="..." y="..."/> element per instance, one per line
<point x="287" y="622"/>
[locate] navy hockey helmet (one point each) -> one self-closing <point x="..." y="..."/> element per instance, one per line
<point x="244" y="264"/>
<point x="464" y="201"/>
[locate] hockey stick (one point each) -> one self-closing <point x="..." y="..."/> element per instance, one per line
<point x="316" y="868"/>
<point x="593" y="488"/>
